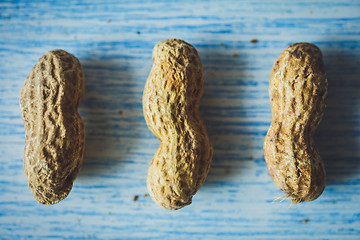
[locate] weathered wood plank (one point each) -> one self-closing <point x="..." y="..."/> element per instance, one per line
<point x="114" y="42"/>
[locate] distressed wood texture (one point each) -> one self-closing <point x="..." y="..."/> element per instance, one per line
<point x="238" y="43"/>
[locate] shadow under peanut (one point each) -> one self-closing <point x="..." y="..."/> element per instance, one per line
<point x="221" y="107"/>
<point x="337" y="137"/>
<point x="108" y="116"/>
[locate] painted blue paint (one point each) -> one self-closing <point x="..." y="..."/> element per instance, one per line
<point x="114" y="42"/>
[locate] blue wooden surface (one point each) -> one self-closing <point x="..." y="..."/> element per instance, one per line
<point x="114" y="42"/>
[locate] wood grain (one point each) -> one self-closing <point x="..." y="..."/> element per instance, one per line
<point x="114" y="42"/>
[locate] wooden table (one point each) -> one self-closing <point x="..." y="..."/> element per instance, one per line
<point x="238" y="42"/>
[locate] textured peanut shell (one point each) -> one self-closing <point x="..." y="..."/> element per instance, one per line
<point x="170" y="103"/>
<point x="298" y="94"/>
<point x="54" y="130"/>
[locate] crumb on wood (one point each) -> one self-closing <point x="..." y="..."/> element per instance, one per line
<point x="254" y="40"/>
<point x="145" y="195"/>
<point x="223" y="45"/>
<point x="227" y="170"/>
<point x="120" y="112"/>
<point x="136" y="197"/>
<point x="305" y="220"/>
<point x="211" y="73"/>
<point x="235" y="55"/>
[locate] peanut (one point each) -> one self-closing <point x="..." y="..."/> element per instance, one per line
<point x="298" y="94"/>
<point x="54" y="130"/>
<point x="170" y="103"/>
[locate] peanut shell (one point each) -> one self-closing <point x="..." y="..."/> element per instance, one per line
<point x="298" y="93"/>
<point x="170" y="103"/>
<point x="54" y="130"/>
